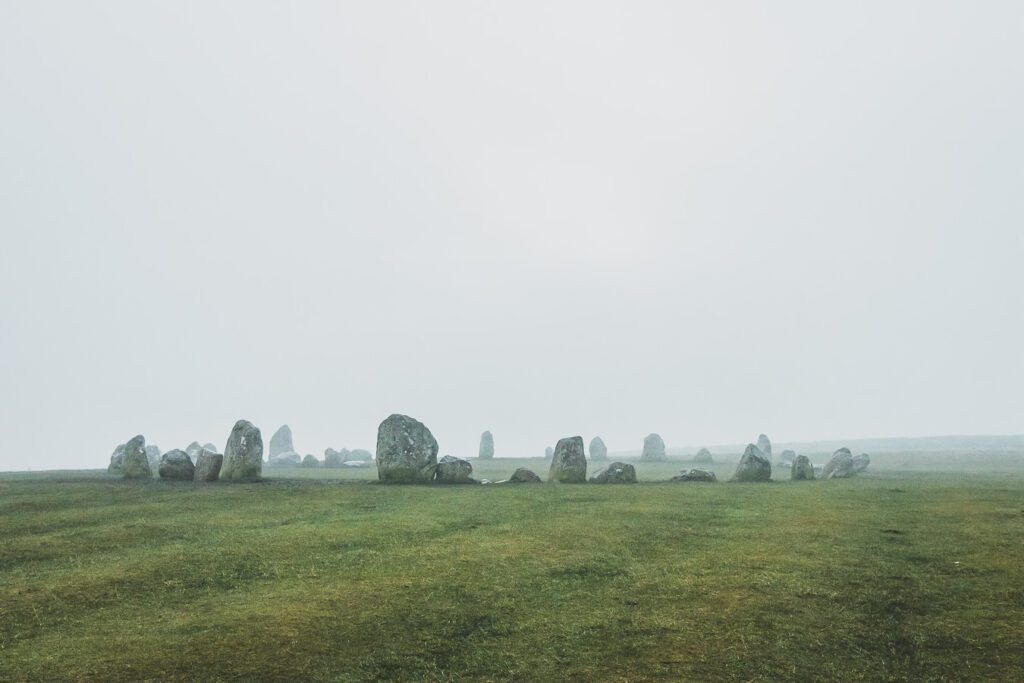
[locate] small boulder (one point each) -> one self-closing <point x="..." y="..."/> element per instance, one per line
<point x="568" y="463"/>
<point x="208" y="464"/>
<point x="861" y="462"/>
<point x="654" y="448"/>
<point x="764" y="445"/>
<point x="116" y="465"/>
<point x="486" y="446"/>
<point x="280" y="442"/>
<point x="135" y="464"/>
<point x="310" y="461"/>
<point x="243" y="454"/>
<point x="801" y="469"/>
<point x="753" y="466"/>
<point x="704" y="457"/>
<point x="523" y="475"/>
<point x="406" y="451"/>
<point x="615" y="473"/>
<point x="176" y="465"/>
<point x="840" y="466"/>
<point x="452" y="470"/>
<point x="598" y="451"/>
<point x="695" y="475"/>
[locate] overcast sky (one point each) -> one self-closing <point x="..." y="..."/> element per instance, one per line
<point x="705" y="219"/>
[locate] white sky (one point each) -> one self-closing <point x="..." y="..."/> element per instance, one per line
<point x="705" y="219"/>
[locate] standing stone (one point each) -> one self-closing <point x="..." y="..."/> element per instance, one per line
<point x="452" y="470"/>
<point x="116" y="465"/>
<point x="568" y="463"/>
<point x="486" y="446"/>
<point x="703" y="456"/>
<point x="861" y="462"/>
<point x="548" y="452"/>
<point x="243" y="454"/>
<point x="695" y="475"/>
<point x="406" y="451"/>
<point x="208" y="464"/>
<point x="598" y="451"/>
<point x="310" y="461"/>
<point x="523" y="475"/>
<point x="753" y="466"/>
<point x="787" y="458"/>
<point x="281" y="442"/>
<point x="135" y="463"/>
<point x="765" y="446"/>
<point x="840" y="466"/>
<point x="192" y="450"/>
<point x="615" y="473"/>
<point x="801" y="469"/>
<point x="654" y="448"/>
<point x="176" y="465"/>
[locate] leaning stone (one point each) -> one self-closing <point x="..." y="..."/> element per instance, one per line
<point x="568" y="464"/>
<point x="452" y="470"/>
<point x="486" y="446"/>
<point x="280" y="442"/>
<point x="406" y="451"/>
<point x="654" y="448"/>
<point x="840" y="466"/>
<point x="695" y="475"/>
<point x="703" y="456"/>
<point x="243" y="454"/>
<point x="523" y="475"/>
<point x="861" y="462"/>
<point x="177" y="465"/>
<point x="135" y="463"/>
<point x="598" y="451"/>
<point x="310" y="461"/>
<point x="615" y="473"/>
<point x="801" y="469"/>
<point x="753" y="466"/>
<point x="208" y="464"/>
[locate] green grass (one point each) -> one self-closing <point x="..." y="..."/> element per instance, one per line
<point x="904" y="574"/>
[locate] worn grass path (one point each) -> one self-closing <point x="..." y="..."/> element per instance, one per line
<point x="896" y="576"/>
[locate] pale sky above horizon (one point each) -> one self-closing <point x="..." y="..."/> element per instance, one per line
<point x="702" y="219"/>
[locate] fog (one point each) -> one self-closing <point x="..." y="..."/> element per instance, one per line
<point x="707" y="220"/>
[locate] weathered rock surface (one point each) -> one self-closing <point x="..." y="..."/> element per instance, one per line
<point x="406" y="451"/>
<point x="615" y="473"/>
<point x="654" y="448"/>
<point x="801" y="469"/>
<point x="568" y="463"/>
<point x="486" y="446"/>
<point x="281" y="442"/>
<point x="243" y="454"/>
<point x="764" y="445"/>
<point x="177" y="465"/>
<point x="452" y="470"/>
<point x="192" y="450"/>
<point x="548" y="452"/>
<point x="208" y="464"/>
<point x="135" y="464"/>
<point x="861" y="462"/>
<point x="703" y="456"/>
<point x="840" y="466"/>
<point x="695" y="475"/>
<point x="598" y="451"/>
<point x="153" y="456"/>
<point x="333" y="458"/>
<point x="116" y="465"/>
<point x="753" y="466"/>
<point x="310" y="461"/>
<point x="524" y="475"/>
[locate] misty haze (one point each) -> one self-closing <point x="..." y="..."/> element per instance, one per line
<point x="354" y="341"/>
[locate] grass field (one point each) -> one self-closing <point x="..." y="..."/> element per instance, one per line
<point x="914" y="571"/>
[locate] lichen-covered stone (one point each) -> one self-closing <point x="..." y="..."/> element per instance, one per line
<point x="135" y="464"/>
<point x="695" y="475"/>
<point x="598" y="451"/>
<point x="654" y="448"/>
<point x="753" y="466"/>
<point x="568" y="463"/>
<point x="801" y="469"/>
<point x="840" y="466"/>
<point x="486" y="446"/>
<point x="176" y="465"/>
<point x="615" y="473"/>
<point x="406" y="451"/>
<point x="243" y="454"/>
<point x="452" y="470"/>
<point x="208" y="465"/>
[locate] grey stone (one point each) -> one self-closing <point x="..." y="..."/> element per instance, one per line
<point x="861" y="462"/>
<point x="406" y="451"/>
<point x="210" y="447"/>
<point x="280" y="442"/>
<point x="177" y="465"/>
<point x="333" y="458"/>
<point x="695" y="475"/>
<point x="135" y="464"/>
<point x="598" y="451"/>
<point x="703" y="456"/>
<point x="310" y="461"/>
<point x="840" y="466"/>
<point x="568" y="463"/>
<point x="486" y="446"/>
<point x="290" y="459"/>
<point x="765" y="446"/>
<point x="753" y="466"/>
<point x="153" y="456"/>
<point x="523" y="475"/>
<point x="801" y="469"/>
<point x="654" y="448"/>
<point x="116" y="465"/>
<point x="192" y="450"/>
<point x="615" y="473"/>
<point x="786" y="458"/>
<point x="548" y="452"/>
<point x="243" y="454"/>
<point x="208" y="464"/>
<point x="452" y="470"/>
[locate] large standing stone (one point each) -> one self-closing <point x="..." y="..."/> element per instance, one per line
<point x="452" y="470"/>
<point x="208" y="464"/>
<point x="116" y="465"/>
<point x="569" y="463"/>
<point x="177" y="465"/>
<point x="598" y="451"/>
<point x="753" y="466"/>
<point x="135" y="463"/>
<point x="615" y="473"/>
<point x="695" y="475"/>
<point x="522" y="475"/>
<point x="840" y="466"/>
<point x="281" y="442"/>
<point x="243" y="454"/>
<point x="486" y="446"/>
<point x="406" y="451"/>
<point x="654" y="448"/>
<point x="310" y="461"/>
<point x="861" y="462"/>
<point x="765" y="446"/>
<point x="801" y="469"/>
<point x="548" y="452"/>
<point x="703" y="456"/>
